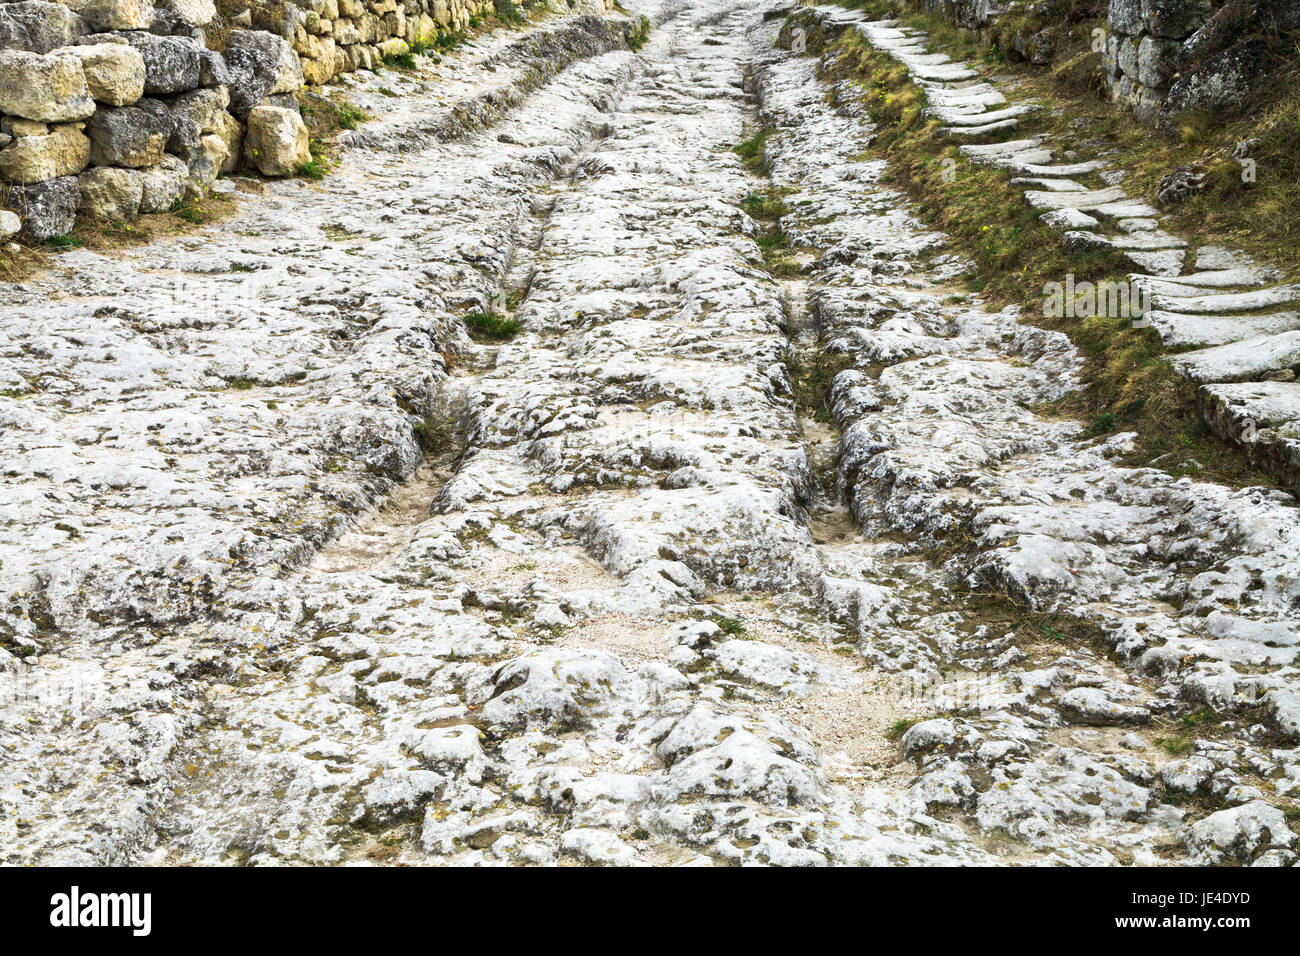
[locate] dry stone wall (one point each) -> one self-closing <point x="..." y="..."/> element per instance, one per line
<point x="340" y="36"/>
<point x="1144" y="50"/>
<point x="116" y="108"/>
<point x="1165" y="57"/>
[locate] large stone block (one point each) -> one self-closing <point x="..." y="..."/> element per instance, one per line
<point x="212" y="69"/>
<point x="193" y="114"/>
<point x="318" y="70"/>
<point x="276" y="142"/>
<point x="196" y="13"/>
<point x="110" y="193"/>
<point x="1128" y="57"/>
<point x="1218" y="33"/>
<point x="1110" y="56"/>
<point x="118" y="14"/>
<point x="47" y="208"/>
<point x="1125" y="16"/>
<point x="346" y="33"/>
<point x="1223" y="80"/>
<point x="162" y="185"/>
<point x="48" y="88"/>
<point x="114" y="71"/>
<point x="1157" y="62"/>
<point x="1279" y="15"/>
<point x="38" y="27"/>
<point x="171" y="64"/>
<point x="1174" y="19"/>
<point x="231" y="132"/>
<point x="63" y="151"/>
<point x="261" y="64"/>
<point x="205" y="165"/>
<point x="125" y="136"/>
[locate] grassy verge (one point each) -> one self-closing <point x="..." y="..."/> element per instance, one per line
<point x="1129" y="383"/>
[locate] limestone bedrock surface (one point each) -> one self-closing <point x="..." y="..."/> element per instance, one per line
<point x="294" y="571"/>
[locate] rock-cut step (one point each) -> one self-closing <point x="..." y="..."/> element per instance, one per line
<point x="1192" y="283"/>
<point x="1138" y="242"/>
<point x="957" y="116"/>
<point x="1089" y="199"/>
<point x="1229" y="302"/>
<point x="1012" y="154"/>
<point x="1179" y="330"/>
<point x="1263" y="418"/>
<point x="965" y="100"/>
<point x="1243" y="361"/>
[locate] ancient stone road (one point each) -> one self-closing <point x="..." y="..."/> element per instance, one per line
<point x="631" y="607"/>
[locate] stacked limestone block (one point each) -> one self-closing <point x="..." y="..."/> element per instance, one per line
<point x="982" y="15"/>
<point x="340" y="36"/>
<point x="970" y="14"/>
<point x="115" y="108"/>
<point x="1164" y="57"/>
<point x="1143" y="50"/>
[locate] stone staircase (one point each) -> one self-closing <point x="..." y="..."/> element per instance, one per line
<point x="1231" y="327"/>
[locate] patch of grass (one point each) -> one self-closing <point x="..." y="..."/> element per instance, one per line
<point x="507" y="11"/>
<point x="491" y="327"/>
<point x="63" y="242"/>
<point x="326" y="116"/>
<point x="550" y="633"/>
<point x="435" y="434"/>
<point x="1199" y="717"/>
<point x="901" y="726"/>
<point x="1105" y="424"/>
<point x="751" y="150"/>
<point x="1051" y="633"/>
<point x="1179" y="746"/>
<point x="774" y="245"/>
<point x="91" y="233"/>
<point x="400" y="61"/>
<point x="732" y="626"/>
<point x="189" y="210"/>
<point x="313" y="169"/>
<point x="767" y="206"/>
<point x="637" y="36"/>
